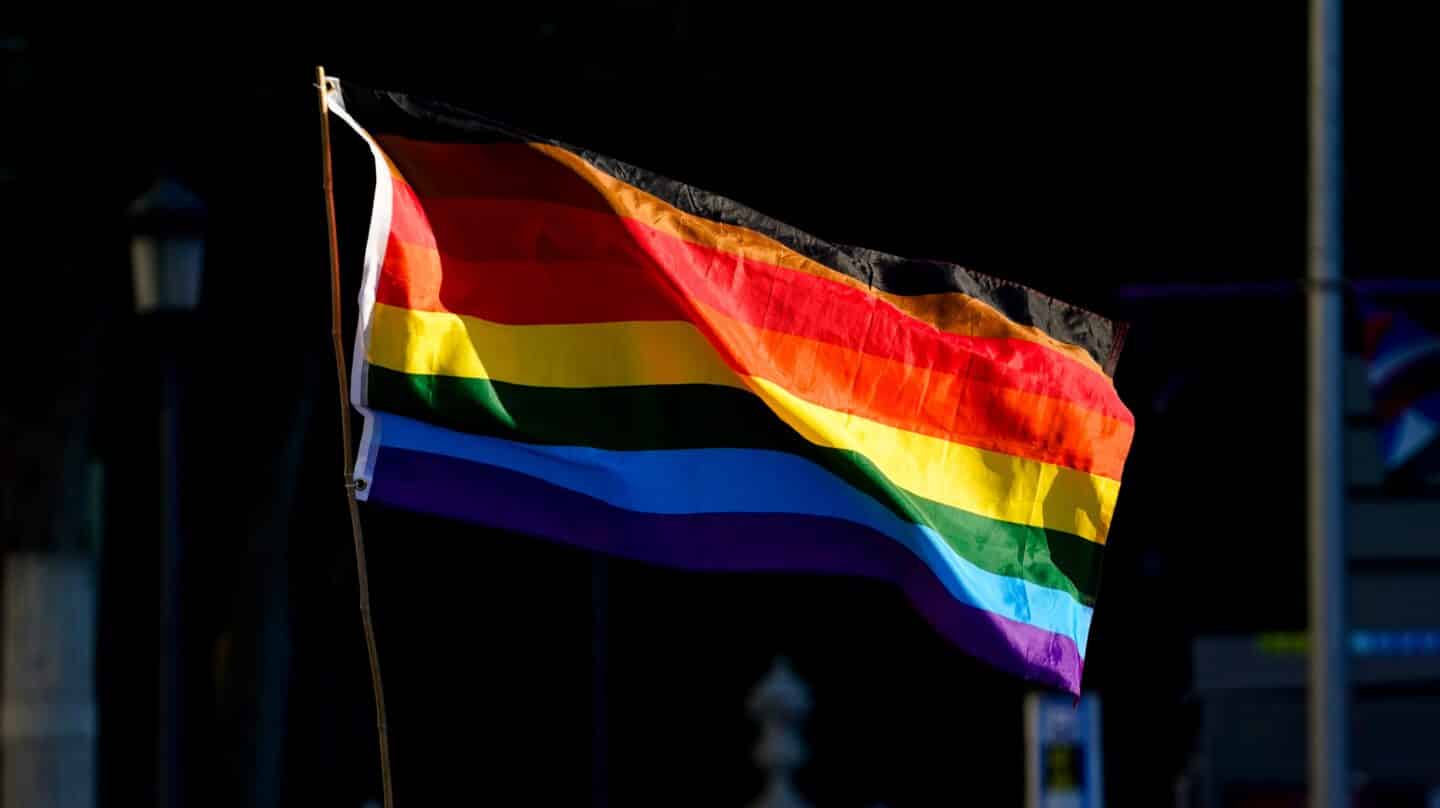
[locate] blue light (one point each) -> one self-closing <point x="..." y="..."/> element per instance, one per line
<point x="1361" y="643"/>
<point x="1397" y="642"/>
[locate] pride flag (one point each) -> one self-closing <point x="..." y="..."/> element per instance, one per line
<point x="558" y="343"/>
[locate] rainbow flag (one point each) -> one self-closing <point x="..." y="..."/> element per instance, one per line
<point x="558" y="343"/>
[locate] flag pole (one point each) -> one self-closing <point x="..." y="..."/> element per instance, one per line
<point x="1328" y="682"/>
<point x="360" y="566"/>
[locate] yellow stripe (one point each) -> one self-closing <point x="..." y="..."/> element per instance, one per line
<point x="633" y="354"/>
<point x="623" y="354"/>
<point x="987" y="483"/>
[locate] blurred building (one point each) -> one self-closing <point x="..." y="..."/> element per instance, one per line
<point x="1250" y="749"/>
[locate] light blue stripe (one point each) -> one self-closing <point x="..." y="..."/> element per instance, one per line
<point x="684" y="481"/>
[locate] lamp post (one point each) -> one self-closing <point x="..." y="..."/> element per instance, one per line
<point x="167" y="255"/>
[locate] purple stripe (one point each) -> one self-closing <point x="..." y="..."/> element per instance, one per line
<point x="493" y="496"/>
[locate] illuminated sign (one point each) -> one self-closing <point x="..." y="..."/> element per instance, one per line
<point x="1062" y="750"/>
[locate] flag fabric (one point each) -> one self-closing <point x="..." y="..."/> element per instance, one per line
<point x="558" y="343"/>
<point x="1403" y="372"/>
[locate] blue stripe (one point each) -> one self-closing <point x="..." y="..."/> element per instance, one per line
<point x="688" y="481"/>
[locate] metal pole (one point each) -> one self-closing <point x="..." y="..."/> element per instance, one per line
<point x="170" y="772"/>
<point x="1329" y="761"/>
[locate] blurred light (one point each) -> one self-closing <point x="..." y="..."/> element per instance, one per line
<point x="1281" y="643"/>
<point x="1363" y="642"/>
<point x="1413" y="642"/>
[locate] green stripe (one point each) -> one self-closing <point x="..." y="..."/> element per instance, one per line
<point x="707" y="416"/>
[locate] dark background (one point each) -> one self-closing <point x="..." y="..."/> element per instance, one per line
<point x="1077" y="151"/>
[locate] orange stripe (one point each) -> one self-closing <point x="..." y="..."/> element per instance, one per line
<point x="944" y="405"/>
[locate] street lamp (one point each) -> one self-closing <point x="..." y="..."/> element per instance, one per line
<point x="167" y="247"/>
<point x="167" y="256"/>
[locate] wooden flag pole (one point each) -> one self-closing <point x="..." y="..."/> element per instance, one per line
<point x="341" y="375"/>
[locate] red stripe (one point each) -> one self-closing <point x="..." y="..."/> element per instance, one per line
<point x="525" y="262"/>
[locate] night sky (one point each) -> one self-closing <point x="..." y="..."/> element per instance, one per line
<point x="1075" y="151"/>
